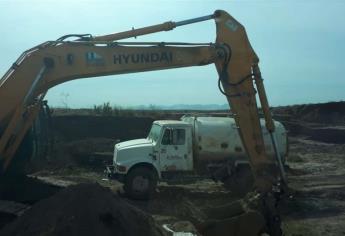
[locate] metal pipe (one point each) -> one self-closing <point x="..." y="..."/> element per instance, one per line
<point x="268" y="118"/>
<point x="194" y="20"/>
<point x="39" y="76"/>
<point x="134" y="43"/>
<point x="136" y="32"/>
<point x="278" y="157"/>
<point x="263" y="99"/>
<point x="150" y="29"/>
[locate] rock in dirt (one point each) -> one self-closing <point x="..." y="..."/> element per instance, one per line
<point x="84" y="209"/>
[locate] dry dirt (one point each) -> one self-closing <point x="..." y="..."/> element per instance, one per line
<point x="83" y="209"/>
<point x="314" y="205"/>
<point x="317" y="181"/>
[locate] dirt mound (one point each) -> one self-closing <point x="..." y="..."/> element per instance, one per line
<point x="85" y="209"/>
<point x="320" y="133"/>
<point x="328" y="113"/>
<point x="24" y="189"/>
<point x="78" y="127"/>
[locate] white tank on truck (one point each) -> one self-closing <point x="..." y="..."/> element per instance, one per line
<point x="218" y="139"/>
<point x="184" y="149"/>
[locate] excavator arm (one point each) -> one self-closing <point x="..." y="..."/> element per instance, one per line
<point x="23" y="87"/>
<point x="237" y="74"/>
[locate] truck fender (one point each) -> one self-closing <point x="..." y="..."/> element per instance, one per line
<point x="147" y="165"/>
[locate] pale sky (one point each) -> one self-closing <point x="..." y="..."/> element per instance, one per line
<point x="300" y="45"/>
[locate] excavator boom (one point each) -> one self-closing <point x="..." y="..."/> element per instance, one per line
<point x="54" y="63"/>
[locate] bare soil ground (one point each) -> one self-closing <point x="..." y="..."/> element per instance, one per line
<point x="314" y="205"/>
<point x="317" y="181"/>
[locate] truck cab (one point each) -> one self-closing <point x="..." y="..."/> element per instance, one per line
<point x="167" y="148"/>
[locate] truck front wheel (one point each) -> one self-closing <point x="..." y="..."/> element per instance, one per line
<point x="140" y="183"/>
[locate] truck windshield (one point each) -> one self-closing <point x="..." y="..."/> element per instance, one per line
<point x="155" y="132"/>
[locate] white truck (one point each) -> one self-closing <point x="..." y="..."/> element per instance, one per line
<point x="183" y="149"/>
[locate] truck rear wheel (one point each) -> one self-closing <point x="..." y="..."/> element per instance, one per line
<point x="140" y="183"/>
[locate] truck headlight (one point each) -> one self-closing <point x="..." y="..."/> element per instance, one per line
<point x="121" y="168"/>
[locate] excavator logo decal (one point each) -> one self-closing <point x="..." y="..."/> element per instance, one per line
<point x="93" y="58"/>
<point x="150" y="57"/>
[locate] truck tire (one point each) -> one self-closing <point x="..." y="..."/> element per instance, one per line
<point x="140" y="183"/>
<point x="240" y="182"/>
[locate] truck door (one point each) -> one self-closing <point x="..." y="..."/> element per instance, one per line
<point x="175" y="150"/>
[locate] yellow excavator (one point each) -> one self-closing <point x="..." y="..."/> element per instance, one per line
<point x="75" y="56"/>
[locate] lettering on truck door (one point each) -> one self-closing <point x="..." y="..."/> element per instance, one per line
<point x="173" y="150"/>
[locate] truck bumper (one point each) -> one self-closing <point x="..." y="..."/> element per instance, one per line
<point x="112" y="174"/>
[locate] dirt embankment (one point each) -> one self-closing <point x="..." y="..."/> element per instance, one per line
<point x="77" y="138"/>
<point x="75" y="127"/>
<point x="323" y="113"/>
<point x="319" y="122"/>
